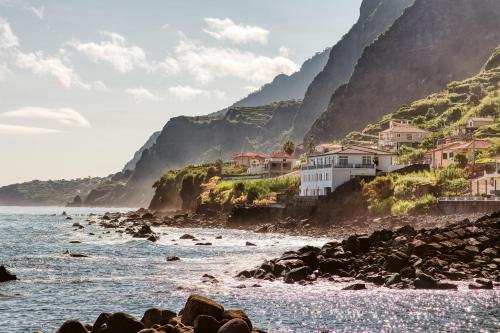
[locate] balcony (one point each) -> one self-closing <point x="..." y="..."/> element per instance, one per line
<point x="315" y="167"/>
<point x="338" y="166"/>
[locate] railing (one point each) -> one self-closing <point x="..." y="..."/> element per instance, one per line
<point x="339" y="166"/>
<point x="314" y="167"/>
<point x="469" y="198"/>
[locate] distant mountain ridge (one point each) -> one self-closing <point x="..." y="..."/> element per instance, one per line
<point x="130" y="165"/>
<point x="432" y="43"/>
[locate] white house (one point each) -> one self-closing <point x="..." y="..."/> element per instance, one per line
<point x="476" y="122"/>
<point x="401" y="133"/>
<point x="323" y="173"/>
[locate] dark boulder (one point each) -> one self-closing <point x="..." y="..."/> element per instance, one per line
<point x="121" y="322"/>
<point x="424" y="281"/>
<point x="206" y="324"/>
<point x="237" y="314"/>
<point x="187" y="236"/>
<point x="396" y="262"/>
<point x="198" y="305"/>
<point x="173" y="258"/>
<point x="332" y="266"/>
<point x="156" y="316"/>
<point x="356" y="286"/>
<point x="101" y="320"/>
<point x="5" y="275"/>
<point x="297" y="274"/>
<point x="235" y="326"/>
<point x="72" y="326"/>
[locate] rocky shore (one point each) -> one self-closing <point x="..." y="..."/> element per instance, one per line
<point x="403" y="258"/>
<point x="5" y="275"/>
<point x="200" y="315"/>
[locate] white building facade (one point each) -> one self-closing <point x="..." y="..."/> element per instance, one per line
<point x="323" y="173"/>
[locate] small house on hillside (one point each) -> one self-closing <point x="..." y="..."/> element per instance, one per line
<point x="323" y="173"/>
<point x="326" y="147"/>
<point x="444" y="155"/>
<point x="401" y="133"/>
<point x="254" y="162"/>
<point x="474" y="123"/>
<point x="278" y="164"/>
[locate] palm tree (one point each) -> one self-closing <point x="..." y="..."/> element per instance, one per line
<point x="289" y="147"/>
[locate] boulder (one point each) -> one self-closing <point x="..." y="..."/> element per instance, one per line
<point x="396" y="262"/>
<point x="173" y="258"/>
<point x="198" y="305"/>
<point x="356" y="286"/>
<point x="121" y="322"/>
<point x="206" y="324"/>
<point x="72" y="326"/>
<point x="481" y="284"/>
<point x="5" y="275"/>
<point x="156" y="316"/>
<point x="332" y="265"/>
<point x="424" y="281"/>
<point x="235" y="314"/>
<point x="250" y="244"/>
<point x="297" y="274"/>
<point x="187" y="236"/>
<point x="235" y="326"/>
<point x="101" y="320"/>
<point x="393" y="279"/>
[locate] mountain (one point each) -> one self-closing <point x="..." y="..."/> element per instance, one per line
<point x="446" y="111"/>
<point x="287" y="87"/>
<point x="188" y="140"/>
<point x="376" y="16"/>
<point x="432" y="43"/>
<point x="130" y="165"/>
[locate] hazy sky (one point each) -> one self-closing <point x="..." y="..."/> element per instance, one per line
<point x="83" y="84"/>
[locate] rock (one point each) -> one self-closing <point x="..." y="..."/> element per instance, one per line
<point x="375" y="279"/>
<point x="218" y="237"/>
<point x="244" y="274"/>
<point x="173" y="258"/>
<point x="147" y="216"/>
<point x="198" y="305"/>
<point x="331" y="265"/>
<point x="203" y="244"/>
<point x="297" y="274"/>
<point x="446" y="286"/>
<point x="396" y="262"/>
<point x="250" y="244"/>
<point x="153" y="238"/>
<point x="417" y="247"/>
<point x="356" y="286"/>
<point x="234" y="314"/>
<point x="393" y="279"/>
<point x="187" y="236"/>
<point x="5" y="275"/>
<point x="235" y="326"/>
<point x="101" y="320"/>
<point x="424" y="281"/>
<point x="156" y="316"/>
<point x="121" y="322"/>
<point x="490" y="252"/>
<point x="481" y="284"/>
<point x="206" y="324"/>
<point x="72" y="326"/>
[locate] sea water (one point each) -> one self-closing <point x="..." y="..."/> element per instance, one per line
<point x="132" y="275"/>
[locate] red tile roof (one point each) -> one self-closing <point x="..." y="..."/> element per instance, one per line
<point x="250" y="155"/>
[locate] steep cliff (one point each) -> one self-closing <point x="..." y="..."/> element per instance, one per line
<point x="130" y="165"/>
<point x="376" y="16"/>
<point x="432" y="43"/>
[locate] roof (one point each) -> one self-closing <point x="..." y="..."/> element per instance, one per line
<point x="404" y="128"/>
<point x="481" y="119"/>
<point x="461" y="145"/>
<point x="324" y="147"/>
<point x="356" y="150"/>
<point x="280" y="154"/>
<point x="250" y="155"/>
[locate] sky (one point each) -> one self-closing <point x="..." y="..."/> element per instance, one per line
<point x="83" y="84"/>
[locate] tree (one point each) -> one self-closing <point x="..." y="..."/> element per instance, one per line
<point x="311" y="144"/>
<point x="461" y="160"/>
<point x="289" y="147"/>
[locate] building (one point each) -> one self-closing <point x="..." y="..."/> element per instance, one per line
<point x="401" y="133"/>
<point x="248" y="159"/>
<point x="474" y="123"/>
<point x="443" y="155"/>
<point x="326" y="147"/>
<point x="488" y="184"/>
<point x="323" y="173"/>
<point x="278" y="164"/>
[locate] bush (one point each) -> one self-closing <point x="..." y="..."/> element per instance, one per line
<point x="402" y="207"/>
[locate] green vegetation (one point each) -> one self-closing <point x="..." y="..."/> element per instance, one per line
<point x="416" y="192"/>
<point x="257" y="191"/>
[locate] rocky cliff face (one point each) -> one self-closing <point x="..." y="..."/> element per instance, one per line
<point x="188" y="140"/>
<point x="137" y="156"/>
<point x="376" y="16"/>
<point x="432" y="43"/>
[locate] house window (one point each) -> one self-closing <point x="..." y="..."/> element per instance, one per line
<point x="367" y="160"/>
<point x="320" y="176"/>
<point x="399" y="135"/>
<point x="451" y="155"/>
<point x="343" y="160"/>
<point x="409" y="137"/>
<point x="445" y="156"/>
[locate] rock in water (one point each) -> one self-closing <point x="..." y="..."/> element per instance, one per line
<point x="72" y="326"/>
<point x="235" y="326"/>
<point x="101" y="320"/>
<point x="198" y="305"/>
<point x="206" y="324"/>
<point x="156" y="316"/>
<point x="123" y="323"/>
<point x="5" y="275"/>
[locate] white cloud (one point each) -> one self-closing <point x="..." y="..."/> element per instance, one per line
<point x="39" y="12"/>
<point x="251" y="89"/>
<point x="4" y="70"/>
<point x="285" y="51"/>
<point x="43" y="65"/>
<point x="8" y="39"/>
<point x="226" y="29"/>
<point x="184" y="93"/>
<point x="207" y="63"/>
<point x="25" y="130"/>
<point x="63" y="116"/>
<point x="142" y="95"/>
<point x="115" y="51"/>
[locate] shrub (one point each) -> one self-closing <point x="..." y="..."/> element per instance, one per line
<point x="402" y="207"/>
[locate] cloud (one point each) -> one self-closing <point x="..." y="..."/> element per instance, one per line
<point x="114" y="51"/>
<point x="63" y="116"/>
<point x="25" y="130"/>
<point x="184" y="93"/>
<point x="251" y="89"/>
<point x="208" y="63"/>
<point x="226" y="29"/>
<point x="143" y="95"/>
<point x="285" y="51"/>
<point x="4" y="70"/>
<point x="8" y="39"/>
<point x="39" y="12"/>
<point x="42" y="65"/>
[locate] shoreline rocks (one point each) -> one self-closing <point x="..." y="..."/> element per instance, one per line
<point x="5" y="275"/>
<point x="199" y="315"/>
<point x="403" y="258"/>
